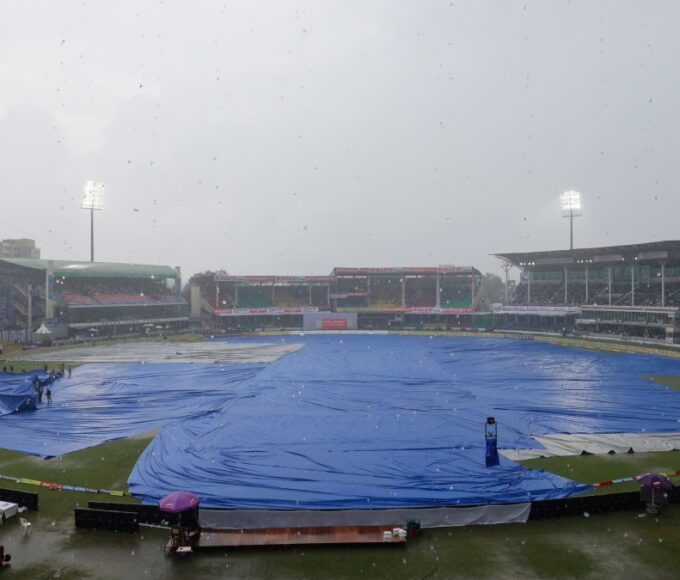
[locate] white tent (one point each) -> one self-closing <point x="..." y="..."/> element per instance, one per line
<point x="43" y="330"/>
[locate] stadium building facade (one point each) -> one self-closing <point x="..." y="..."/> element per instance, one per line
<point x="626" y="291"/>
<point x="90" y="298"/>
<point x="21" y="248"/>
<point x="364" y="298"/>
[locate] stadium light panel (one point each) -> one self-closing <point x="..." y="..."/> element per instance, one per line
<point x="93" y="195"/>
<point x="570" y="203"/>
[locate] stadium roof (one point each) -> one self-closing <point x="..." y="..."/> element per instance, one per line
<point x="71" y="269"/>
<point x="422" y="271"/>
<point x="337" y="271"/>
<point x="286" y="280"/>
<point x="668" y="251"/>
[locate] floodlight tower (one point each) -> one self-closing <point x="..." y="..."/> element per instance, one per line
<point x="506" y="266"/>
<point x="93" y="199"/>
<point x="570" y="202"/>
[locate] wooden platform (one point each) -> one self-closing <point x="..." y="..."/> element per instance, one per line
<point x="294" y="536"/>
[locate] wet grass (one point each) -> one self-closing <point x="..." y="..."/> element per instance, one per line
<point x="549" y="558"/>
<point x="589" y="468"/>
<point x="668" y="380"/>
<point x="14" y="352"/>
<point x="612" y="345"/>
<point x="609" y="544"/>
<point x="594" y="468"/>
<point x="105" y="466"/>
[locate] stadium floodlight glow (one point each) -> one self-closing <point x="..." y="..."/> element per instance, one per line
<point x="93" y="195"/>
<point x="93" y="199"/>
<point x="570" y="204"/>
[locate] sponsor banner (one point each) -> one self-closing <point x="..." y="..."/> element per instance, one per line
<point x="425" y="270"/>
<point x="425" y="309"/>
<point x="226" y="278"/>
<point x="456" y="270"/>
<point x="258" y="279"/>
<point x="608" y="258"/>
<point x="272" y="311"/>
<point x="652" y="255"/>
<point x="422" y="270"/>
<point x="408" y="310"/>
<point x="550" y="261"/>
<point x="519" y="336"/>
<point x="221" y="277"/>
<point x="305" y="279"/>
<point x="333" y="324"/>
<point x="364" y="271"/>
<point x="447" y="267"/>
<point x="512" y="309"/>
<point x="64" y="486"/>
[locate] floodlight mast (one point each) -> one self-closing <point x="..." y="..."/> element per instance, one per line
<point x="93" y="199"/>
<point x="506" y="268"/>
<point x="570" y="203"/>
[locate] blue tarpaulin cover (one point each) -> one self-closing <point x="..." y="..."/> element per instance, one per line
<point x="358" y="421"/>
<point x="349" y="420"/>
<point x="17" y="392"/>
<point x="101" y="402"/>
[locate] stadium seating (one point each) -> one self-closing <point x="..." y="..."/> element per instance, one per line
<point x="385" y="294"/>
<point x="353" y="302"/>
<point x="320" y="296"/>
<point x="291" y="296"/>
<point x="421" y="292"/>
<point x="351" y="285"/>
<point x="255" y="297"/>
<point x="78" y="299"/>
<point x="552" y="294"/>
<point x="3" y="309"/>
<point x="116" y="298"/>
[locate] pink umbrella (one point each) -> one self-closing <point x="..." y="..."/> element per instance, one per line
<point x="654" y="481"/>
<point x="178" y="501"/>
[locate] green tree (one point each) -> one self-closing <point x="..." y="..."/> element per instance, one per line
<point x="491" y="289"/>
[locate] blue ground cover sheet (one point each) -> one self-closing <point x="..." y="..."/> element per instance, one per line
<point x="358" y="421"/>
<point x="100" y="402"/>
<point x="17" y="391"/>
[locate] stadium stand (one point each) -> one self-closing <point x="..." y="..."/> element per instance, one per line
<point x="434" y="297"/>
<point x="420" y="291"/>
<point x="637" y="274"/>
<point x="91" y="298"/>
<point x="640" y="280"/>
<point x="292" y="296"/>
<point x="255" y="297"/>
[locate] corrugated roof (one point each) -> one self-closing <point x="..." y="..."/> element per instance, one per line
<point x="74" y="269"/>
<point x="650" y="251"/>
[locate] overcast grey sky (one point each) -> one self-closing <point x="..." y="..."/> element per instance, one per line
<point x="290" y="137"/>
